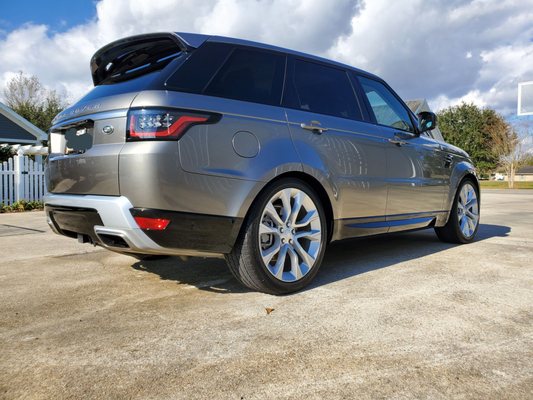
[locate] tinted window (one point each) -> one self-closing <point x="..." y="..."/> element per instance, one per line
<point x="200" y="66"/>
<point x="250" y="75"/>
<point x="322" y="89"/>
<point x="386" y="107"/>
<point x="132" y="85"/>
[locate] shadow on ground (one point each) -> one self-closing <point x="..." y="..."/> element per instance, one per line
<point x="342" y="260"/>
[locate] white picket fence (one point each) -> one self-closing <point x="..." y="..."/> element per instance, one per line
<point x="22" y="178"/>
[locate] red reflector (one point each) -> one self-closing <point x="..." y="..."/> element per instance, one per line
<point x="152" y="224"/>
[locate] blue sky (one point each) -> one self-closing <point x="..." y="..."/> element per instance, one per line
<point x="59" y="15"/>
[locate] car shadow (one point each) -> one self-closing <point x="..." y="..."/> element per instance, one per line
<point x="342" y="260"/>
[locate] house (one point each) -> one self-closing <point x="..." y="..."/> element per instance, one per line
<point x="419" y="105"/>
<point x="524" y="174"/>
<point x="16" y="130"/>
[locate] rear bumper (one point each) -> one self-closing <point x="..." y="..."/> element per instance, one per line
<point x="108" y="222"/>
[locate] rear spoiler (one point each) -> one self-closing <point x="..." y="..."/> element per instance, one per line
<point x="137" y="55"/>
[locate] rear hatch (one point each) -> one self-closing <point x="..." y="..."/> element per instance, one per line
<point x="86" y="139"/>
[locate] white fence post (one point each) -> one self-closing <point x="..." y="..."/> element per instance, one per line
<point x="19" y="178"/>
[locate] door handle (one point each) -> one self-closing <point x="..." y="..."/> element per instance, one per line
<point x="398" y="142"/>
<point x="448" y="159"/>
<point x="313" y="126"/>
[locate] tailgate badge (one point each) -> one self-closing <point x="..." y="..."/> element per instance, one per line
<point x="108" y="130"/>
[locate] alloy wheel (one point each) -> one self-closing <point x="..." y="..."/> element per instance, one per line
<point x="290" y="235"/>
<point x="467" y="210"/>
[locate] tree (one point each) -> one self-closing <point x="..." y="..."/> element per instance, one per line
<point x="6" y="152"/>
<point x="516" y="154"/>
<point x="481" y="132"/>
<point x="27" y="97"/>
<point x="512" y="161"/>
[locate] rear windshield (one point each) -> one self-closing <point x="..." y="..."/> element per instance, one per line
<point x="133" y="85"/>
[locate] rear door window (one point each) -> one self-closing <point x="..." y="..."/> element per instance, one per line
<point x="321" y="89"/>
<point x="250" y="75"/>
<point x="387" y="109"/>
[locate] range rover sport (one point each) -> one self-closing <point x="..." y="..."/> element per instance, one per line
<point x="210" y="146"/>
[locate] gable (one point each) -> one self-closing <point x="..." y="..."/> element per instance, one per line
<point x="10" y="120"/>
<point x="12" y="132"/>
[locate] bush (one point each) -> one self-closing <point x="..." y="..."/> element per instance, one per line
<point x="6" y="152"/>
<point x="22" y="205"/>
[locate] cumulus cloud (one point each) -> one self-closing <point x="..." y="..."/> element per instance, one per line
<point x="444" y="50"/>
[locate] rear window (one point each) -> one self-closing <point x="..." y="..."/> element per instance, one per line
<point x="250" y="75"/>
<point x="132" y="85"/>
<point x="321" y="89"/>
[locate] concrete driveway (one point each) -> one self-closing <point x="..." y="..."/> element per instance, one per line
<point x="401" y="316"/>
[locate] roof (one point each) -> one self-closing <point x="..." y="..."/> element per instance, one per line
<point x="525" y="170"/>
<point x="418" y="105"/>
<point x="196" y="40"/>
<point x="15" y="129"/>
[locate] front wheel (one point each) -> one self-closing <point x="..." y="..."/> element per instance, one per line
<point x="282" y="244"/>
<point x="463" y="222"/>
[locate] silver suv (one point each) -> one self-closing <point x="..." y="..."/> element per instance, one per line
<point x="209" y="146"/>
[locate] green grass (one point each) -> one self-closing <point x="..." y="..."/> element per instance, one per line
<point x="505" y="185"/>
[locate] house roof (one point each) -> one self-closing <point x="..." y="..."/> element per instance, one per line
<point x="525" y="170"/>
<point x="418" y="105"/>
<point x="15" y="129"/>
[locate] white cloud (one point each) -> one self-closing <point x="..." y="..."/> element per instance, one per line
<point x="444" y="50"/>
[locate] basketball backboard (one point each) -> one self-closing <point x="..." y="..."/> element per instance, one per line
<point x="525" y="98"/>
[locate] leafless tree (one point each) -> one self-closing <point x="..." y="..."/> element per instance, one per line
<point x="26" y="96"/>
<point x="514" y="154"/>
<point x="23" y="91"/>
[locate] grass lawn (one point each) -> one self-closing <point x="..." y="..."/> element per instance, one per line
<point x="505" y="185"/>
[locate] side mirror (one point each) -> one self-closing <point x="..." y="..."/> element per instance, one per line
<point x="426" y="121"/>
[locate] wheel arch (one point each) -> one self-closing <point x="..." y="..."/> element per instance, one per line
<point x="310" y="180"/>
<point x="462" y="171"/>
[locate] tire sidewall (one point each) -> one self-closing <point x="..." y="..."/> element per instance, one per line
<point x="455" y="219"/>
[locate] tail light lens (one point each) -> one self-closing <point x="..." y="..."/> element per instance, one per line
<point x="152" y="124"/>
<point x="152" y="224"/>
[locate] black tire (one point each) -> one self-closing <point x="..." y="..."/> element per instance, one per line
<point x="451" y="232"/>
<point x="245" y="261"/>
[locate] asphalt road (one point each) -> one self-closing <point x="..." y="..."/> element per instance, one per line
<point x="401" y="316"/>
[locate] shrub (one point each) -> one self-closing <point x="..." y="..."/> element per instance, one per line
<point x="22" y="205"/>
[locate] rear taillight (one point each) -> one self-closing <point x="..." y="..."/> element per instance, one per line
<point x="152" y="124"/>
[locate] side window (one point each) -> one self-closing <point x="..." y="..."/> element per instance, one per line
<point x="386" y="107"/>
<point x="322" y="89"/>
<point x="194" y="74"/>
<point x="250" y="75"/>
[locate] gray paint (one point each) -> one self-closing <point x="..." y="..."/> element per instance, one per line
<point x="373" y="185"/>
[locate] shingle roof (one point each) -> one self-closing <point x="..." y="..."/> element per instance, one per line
<point x="525" y="170"/>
